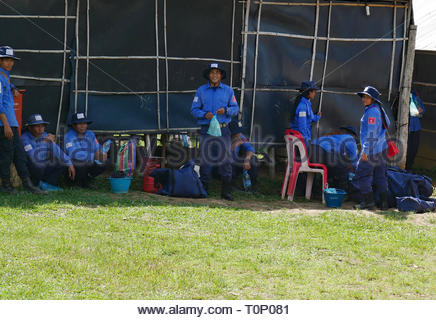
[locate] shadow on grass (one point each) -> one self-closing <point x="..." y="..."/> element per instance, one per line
<point x="394" y="215"/>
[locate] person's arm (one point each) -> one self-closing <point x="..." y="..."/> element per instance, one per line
<point x="197" y="108"/>
<point x="3" y="109"/>
<point x="233" y="108"/>
<point x="301" y="117"/>
<point x="421" y="107"/>
<point x="351" y="148"/>
<point x="372" y="121"/>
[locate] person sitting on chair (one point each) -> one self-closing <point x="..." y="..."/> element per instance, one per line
<point x="85" y="152"/>
<point x="243" y="154"/>
<point x="46" y="161"/>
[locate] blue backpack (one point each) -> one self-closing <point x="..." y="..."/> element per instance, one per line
<point x="415" y="204"/>
<point x="183" y="182"/>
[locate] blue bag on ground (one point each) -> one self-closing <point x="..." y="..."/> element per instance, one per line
<point x="415" y="204"/>
<point x="183" y="182"/>
<point x="214" y="127"/>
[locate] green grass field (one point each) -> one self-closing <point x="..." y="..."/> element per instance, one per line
<point x="81" y="244"/>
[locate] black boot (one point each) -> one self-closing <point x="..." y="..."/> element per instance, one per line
<point x="384" y="203"/>
<point x="29" y="186"/>
<point x="226" y="191"/>
<point x="368" y="202"/>
<point x="7" y="187"/>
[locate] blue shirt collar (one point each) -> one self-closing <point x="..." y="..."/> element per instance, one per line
<point x="304" y="99"/>
<point x="5" y="72"/>
<point x="219" y="86"/>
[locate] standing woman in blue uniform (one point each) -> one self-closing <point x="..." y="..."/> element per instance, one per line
<point x="414" y="128"/>
<point x="371" y="167"/>
<point x="215" y="99"/>
<point x="304" y="116"/>
<point x="11" y="148"/>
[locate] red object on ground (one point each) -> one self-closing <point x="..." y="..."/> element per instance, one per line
<point x="150" y="166"/>
<point x="18" y="108"/>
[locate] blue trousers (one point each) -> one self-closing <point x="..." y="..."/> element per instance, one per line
<point x="215" y="151"/>
<point x="412" y="149"/>
<point x="372" y="172"/>
<point x="47" y="172"/>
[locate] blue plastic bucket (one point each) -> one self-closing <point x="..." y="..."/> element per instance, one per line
<point x="334" y="197"/>
<point x="120" y="185"/>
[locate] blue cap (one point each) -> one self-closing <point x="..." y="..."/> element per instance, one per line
<point x="308" y="85"/>
<point x="214" y="65"/>
<point x="235" y="127"/>
<point x="372" y="92"/>
<point x="35" y="119"/>
<point x="79" y="117"/>
<point x="7" y="52"/>
<point x="350" y="129"/>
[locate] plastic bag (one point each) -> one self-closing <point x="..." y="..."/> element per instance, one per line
<point x="413" y="108"/>
<point x="214" y="127"/>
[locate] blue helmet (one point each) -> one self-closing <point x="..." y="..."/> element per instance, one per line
<point x="214" y="65"/>
<point x="79" y="117"/>
<point x="308" y="85"/>
<point x="35" y="119"/>
<point x="7" y="52"/>
<point x="372" y="92"/>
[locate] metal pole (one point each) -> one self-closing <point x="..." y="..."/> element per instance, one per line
<point x="77" y="54"/>
<point x="394" y="44"/>
<point x="157" y="63"/>
<point x="167" y="81"/>
<point x="61" y="100"/>
<point x="325" y="65"/>
<point x="315" y="35"/>
<point x="87" y="58"/>
<point x="244" y="58"/>
<point x="233" y="43"/>
<point x="259" y="14"/>
<point x="403" y="107"/>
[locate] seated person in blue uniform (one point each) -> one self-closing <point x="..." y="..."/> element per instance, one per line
<point x="338" y="151"/>
<point x="417" y="110"/>
<point x="83" y="148"/>
<point x="243" y="154"/>
<point x="46" y="161"/>
<point x="215" y="99"/>
<point x="304" y="116"/>
<point x="371" y="167"/>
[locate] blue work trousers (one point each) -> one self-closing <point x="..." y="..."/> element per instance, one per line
<point x="372" y="172"/>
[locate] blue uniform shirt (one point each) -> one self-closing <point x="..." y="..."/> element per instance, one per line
<point x="343" y="144"/>
<point x="245" y="147"/>
<point x="372" y="131"/>
<point x="303" y="119"/>
<point x="210" y="99"/>
<point x="38" y="150"/>
<point x="7" y="99"/>
<point x="82" y="149"/>
<point x="415" y="122"/>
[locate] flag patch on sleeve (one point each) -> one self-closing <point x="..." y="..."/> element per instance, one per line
<point x="69" y="145"/>
<point x="28" y="147"/>
<point x="196" y="99"/>
<point x="233" y="99"/>
<point x="302" y="114"/>
<point x="371" y="120"/>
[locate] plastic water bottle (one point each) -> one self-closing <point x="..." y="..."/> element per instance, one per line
<point x="246" y="180"/>
<point x="104" y="149"/>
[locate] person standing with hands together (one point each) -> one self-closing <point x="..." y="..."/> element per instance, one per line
<point x="215" y="99"/>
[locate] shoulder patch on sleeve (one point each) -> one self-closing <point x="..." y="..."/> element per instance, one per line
<point x="302" y="114"/>
<point x="196" y="99"/>
<point x="69" y="145"/>
<point x="28" y="147"/>
<point x="371" y="120"/>
<point x="234" y="99"/>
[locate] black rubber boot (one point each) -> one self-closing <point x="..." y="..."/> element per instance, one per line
<point x="368" y="202"/>
<point x="226" y="191"/>
<point x="7" y="188"/>
<point x="29" y="186"/>
<point x="384" y="204"/>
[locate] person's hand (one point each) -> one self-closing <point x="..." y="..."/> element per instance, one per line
<point x="16" y="93"/>
<point x="364" y="157"/>
<point x="50" y="138"/>
<point x="8" y="132"/>
<point x="72" y="172"/>
<point x="221" y="111"/>
<point x="209" y="115"/>
<point x="247" y="165"/>
<point x="320" y="113"/>
<point x="420" y="110"/>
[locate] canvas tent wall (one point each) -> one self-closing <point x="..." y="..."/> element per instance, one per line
<point x="135" y="68"/>
<point x="424" y="81"/>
